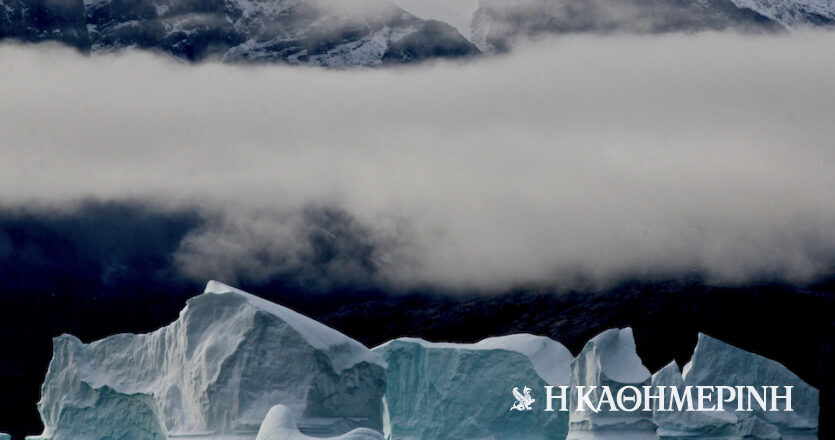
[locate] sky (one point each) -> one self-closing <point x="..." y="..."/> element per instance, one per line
<point x="575" y="160"/>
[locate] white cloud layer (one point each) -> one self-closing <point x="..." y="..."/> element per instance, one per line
<point x="588" y="157"/>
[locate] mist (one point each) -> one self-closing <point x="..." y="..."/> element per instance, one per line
<point x="575" y="160"/>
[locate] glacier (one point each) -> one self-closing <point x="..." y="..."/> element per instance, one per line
<point x="218" y="369"/>
<point x="463" y="391"/>
<point x="281" y="425"/>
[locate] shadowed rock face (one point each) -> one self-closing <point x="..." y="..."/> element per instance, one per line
<point x="45" y="20"/>
<point x="435" y="40"/>
<point x="319" y="32"/>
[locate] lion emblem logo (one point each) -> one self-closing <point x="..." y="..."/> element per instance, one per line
<point x="523" y="401"/>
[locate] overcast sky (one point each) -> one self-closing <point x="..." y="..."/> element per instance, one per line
<point x="590" y="157"/>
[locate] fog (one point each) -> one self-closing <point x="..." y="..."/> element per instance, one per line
<point x="574" y="160"/>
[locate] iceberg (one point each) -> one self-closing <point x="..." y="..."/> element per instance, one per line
<point x="5" y="436"/>
<point x="281" y="425"/>
<point x="463" y="391"/>
<point x="608" y="360"/>
<point x="716" y="363"/>
<point x="217" y="370"/>
<point x="237" y="367"/>
<point x="687" y="424"/>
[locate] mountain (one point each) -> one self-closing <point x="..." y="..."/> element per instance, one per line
<point x="458" y="13"/>
<point x="41" y="20"/>
<point x="793" y="13"/>
<point x="495" y="25"/>
<point x="498" y="24"/>
<point x="332" y="33"/>
<point x="346" y="33"/>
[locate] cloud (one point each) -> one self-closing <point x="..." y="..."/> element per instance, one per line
<point x="581" y="158"/>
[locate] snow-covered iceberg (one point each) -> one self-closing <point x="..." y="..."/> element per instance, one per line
<point x="463" y="391"/>
<point x="281" y="425"/>
<point x="608" y="360"/>
<point x="715" y="363"/>
<point x="218" y="369"/>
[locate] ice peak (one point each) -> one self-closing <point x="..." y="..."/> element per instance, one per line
<point x="317" y="334"/>
<point x="219" y="288"/>
<point x="618" y="356"/>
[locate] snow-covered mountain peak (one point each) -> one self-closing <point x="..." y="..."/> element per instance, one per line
<point x="793" y="13"/>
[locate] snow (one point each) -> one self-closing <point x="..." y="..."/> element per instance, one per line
<point x="463" y="391"/>
<point x="281" y="425"/>
<point x="791" y="13"/>
<point x="218" y="368"/>
<point x="251" y="9"/>
<point x="457" y="13"/>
